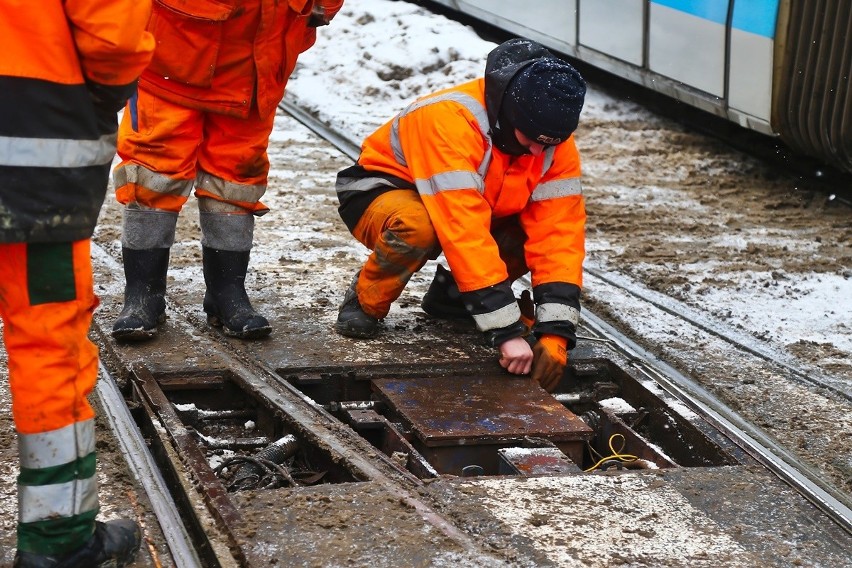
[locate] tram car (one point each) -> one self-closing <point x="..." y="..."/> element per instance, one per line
<point x="778" y="67"/>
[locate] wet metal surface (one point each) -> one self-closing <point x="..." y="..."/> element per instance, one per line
<point x="458" y="423"/>
<point x="456" y="410"/>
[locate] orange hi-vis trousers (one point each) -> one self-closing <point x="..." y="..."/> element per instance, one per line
<point x="46" y="304"/>
<point x="166" y="148"/>
<point x="396" y="227"/>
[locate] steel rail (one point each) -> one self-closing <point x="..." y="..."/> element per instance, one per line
<point x="759" y="445"/>
<point x="147" y="473"/>
<point x="142" y="464"/>
<point x="683" y="312"/>
<point x="771" y="455"/>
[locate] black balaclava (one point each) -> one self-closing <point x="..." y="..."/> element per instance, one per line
<point x="507" y="70"/>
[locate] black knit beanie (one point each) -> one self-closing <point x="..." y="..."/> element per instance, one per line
<point x="544" y="99"/>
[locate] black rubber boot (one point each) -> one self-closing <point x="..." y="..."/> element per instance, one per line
<point x="115" y="543"/>
<point x="144" y="294"/>
<point x="443" y="299"/>
<point x="352" y="321"/>
<point x="226" y="302"/>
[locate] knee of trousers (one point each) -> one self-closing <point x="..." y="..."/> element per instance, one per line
<point x="410" y="239"/>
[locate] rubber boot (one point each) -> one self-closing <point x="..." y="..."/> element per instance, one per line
<point x="226" y="302"/>
<point x="144" y="294"/>
<point x="352" y="320"/>
<point x="443" y="299"/>
<point x="115" y="543"/>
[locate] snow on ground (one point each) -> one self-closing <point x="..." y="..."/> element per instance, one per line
<point x="379" y="55"/>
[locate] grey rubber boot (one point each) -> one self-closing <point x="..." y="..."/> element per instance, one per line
<point x="352" y="321"/>
<point x="443" y="299"/>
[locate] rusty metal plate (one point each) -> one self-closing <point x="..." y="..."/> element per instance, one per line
<point x="446" y="411"/>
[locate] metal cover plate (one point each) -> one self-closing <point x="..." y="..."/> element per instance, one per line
<point x="446" y="411"/>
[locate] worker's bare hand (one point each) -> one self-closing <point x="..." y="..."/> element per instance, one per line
<point x="516" y="356"/>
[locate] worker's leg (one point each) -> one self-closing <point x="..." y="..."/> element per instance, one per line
<point x="398" y="230"/>
<point x="46" y="302"/>
<point x="232" y="177"/>
<point x="158" y="143"/>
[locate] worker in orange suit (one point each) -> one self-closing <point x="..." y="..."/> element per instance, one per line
<point x="201" y="120"/>
<point x="66" y="70"/>
<point x="488" y="173"/>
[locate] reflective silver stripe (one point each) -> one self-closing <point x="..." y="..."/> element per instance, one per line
<point x="470" y="103"/>
<point x="549" y="153"/>
<point x="139" y="175"/>
<point x="57" y="447"/>
<point x="557" y="188"/>
<point x="210" y="205"/>
<point x="361" y="184"/>
<point x="396" y="146"/>
<point x="505" y="316"/>
<point x="557" y="312"/>
<point x="56" y="152"/>
<point x="229" y="190"/>
<point x="449" y="181"/>
<point x="42" y="502"/>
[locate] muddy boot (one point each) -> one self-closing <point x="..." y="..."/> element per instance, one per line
<point x="226" y="302"/>
<point x="114" y="544"/>
<point x="352" y="321"/>
<point x="443" y="299"/>
<point x="144" y="294"/>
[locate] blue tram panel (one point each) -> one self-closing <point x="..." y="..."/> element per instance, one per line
<point x="686" y="42"/>
<point x="682" y="48"/>
<point x="691" y="41"/>
<point x="753" y="26"/>
<point x="779" y="68"/>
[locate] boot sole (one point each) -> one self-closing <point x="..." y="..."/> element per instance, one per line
<point x="134" y="334"/>
<point x="138" y="333"/>
<point x="256" y="333"/>
<point x="348" y="331"/>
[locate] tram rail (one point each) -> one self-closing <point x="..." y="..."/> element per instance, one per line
<point x="773" y="456"/>
<point x="306" y="398"/>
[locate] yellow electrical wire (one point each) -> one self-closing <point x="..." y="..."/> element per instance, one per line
<point x="616" y="454"/>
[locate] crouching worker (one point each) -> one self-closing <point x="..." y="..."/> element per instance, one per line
<point x="66" y="70"/>
<point x="488" y="173"/>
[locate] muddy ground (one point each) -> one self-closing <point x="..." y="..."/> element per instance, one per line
<point x="676" y="212"/>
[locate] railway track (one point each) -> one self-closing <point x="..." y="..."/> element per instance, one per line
<point x="783" y="463"/>
<point x="328" y="401"/>
<point x="374" y="483"/>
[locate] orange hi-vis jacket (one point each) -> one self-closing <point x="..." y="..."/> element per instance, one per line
<point x="218" y="55"/>
<point x="441" y="145"/>
<point x="66" y="69"/>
